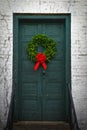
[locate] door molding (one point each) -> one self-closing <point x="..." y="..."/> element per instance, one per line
<point x="16" y="20"/>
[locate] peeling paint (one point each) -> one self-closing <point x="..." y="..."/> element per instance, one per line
<point x="78" y="10"/>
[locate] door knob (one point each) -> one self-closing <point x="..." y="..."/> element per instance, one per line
<point x="43" y="72"/>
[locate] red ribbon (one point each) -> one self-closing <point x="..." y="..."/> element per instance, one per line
<point x="40" y="58"/>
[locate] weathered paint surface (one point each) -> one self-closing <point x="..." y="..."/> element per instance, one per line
<point x="78" y="10"/>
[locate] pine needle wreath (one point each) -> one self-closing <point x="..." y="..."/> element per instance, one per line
<point x="42" y="40"/>
<point x="49" y="52"/>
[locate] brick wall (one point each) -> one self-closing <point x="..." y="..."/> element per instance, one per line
<point x="78" y="10"/>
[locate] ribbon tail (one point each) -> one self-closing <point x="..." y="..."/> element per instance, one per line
<point x="44" y="65"/>
<point x="36" y="66"/>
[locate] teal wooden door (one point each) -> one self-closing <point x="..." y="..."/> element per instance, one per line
<point x="41" y="95"/>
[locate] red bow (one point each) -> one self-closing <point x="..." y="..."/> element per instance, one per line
<point x="40" y="58"/>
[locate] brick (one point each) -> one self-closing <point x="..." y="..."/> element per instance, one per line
<point x="78" y="10"/>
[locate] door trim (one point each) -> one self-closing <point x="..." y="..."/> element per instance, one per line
<point x="16" y="19"/>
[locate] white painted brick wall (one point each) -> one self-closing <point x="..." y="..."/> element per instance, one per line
<point x="78" y="10"/>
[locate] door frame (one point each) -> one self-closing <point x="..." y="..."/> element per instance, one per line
<point x="16" y="19"/>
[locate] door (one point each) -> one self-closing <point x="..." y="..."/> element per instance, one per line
<point x="41" y="95"/>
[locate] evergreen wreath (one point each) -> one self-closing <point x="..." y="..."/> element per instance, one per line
<point x="42" y="40"/>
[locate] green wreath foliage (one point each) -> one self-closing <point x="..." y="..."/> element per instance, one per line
<point x="48" y="44"/>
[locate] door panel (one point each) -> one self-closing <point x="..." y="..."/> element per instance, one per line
<point x="41" y="94"/>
